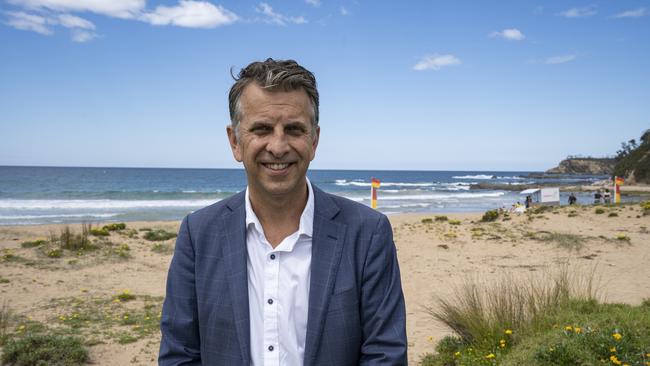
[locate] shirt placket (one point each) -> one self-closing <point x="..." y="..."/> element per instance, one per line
<point x="271" y="331"/>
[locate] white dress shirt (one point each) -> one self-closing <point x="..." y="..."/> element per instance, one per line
<point x="278" y="289"/>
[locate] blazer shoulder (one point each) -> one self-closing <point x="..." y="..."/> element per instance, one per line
<point x="209" y="214"/>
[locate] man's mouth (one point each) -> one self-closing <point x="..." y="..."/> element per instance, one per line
<point x="276" y="166"/>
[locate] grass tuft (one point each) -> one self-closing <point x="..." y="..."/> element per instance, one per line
<point x="567" y="241"/>
<point x="41" y="350"/>
<point x="159" y="235"/>
<point x="490" y="215"/>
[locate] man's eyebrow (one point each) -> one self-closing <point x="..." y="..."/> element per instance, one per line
<point x="259" y="124"/>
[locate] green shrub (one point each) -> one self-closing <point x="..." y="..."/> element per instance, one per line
<point x="44" y="350"/>
<point x="454" y="222"/>
<point x="542" y="209"/>
<point x="572" y="214"/>
<point x="612" y="214"/>
<point x="54" y="253"/>
<point x="114" y="227"/>
<point x="567" y="241"/>
<point x="32" y="244"/>
<point x="125" y="295"/>
<point x="442" y="218"/>
<point x="122" y="251"/>
<point x="427" y="220"/>
<point x="599" y="211"/>
<point x="3" y="280"/>
<point x="99" y="232"/>
<point x="490" y="215"/>
<point x="159" y="235"/>
<point x="162" y="248"/>
<point x="75" y="242"/>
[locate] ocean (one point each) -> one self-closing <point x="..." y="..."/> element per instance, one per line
<point x="40" y="195"/>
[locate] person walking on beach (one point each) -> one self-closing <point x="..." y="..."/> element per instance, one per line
<point x="607" y="197"/>
<point x="572" y="199"/>
<point x="282" y="273"/>
<point x="597" y="197"/>
<point x="529" y="201"/>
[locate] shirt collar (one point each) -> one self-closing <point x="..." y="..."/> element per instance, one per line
<point x="306" y="218"/>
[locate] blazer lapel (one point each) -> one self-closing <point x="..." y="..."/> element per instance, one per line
<point x="327" y="245"/>
<point x="235" y="259"/>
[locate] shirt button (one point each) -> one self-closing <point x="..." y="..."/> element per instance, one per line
<point x="270" y="301"/>
<point x="270" y="348"/>
<point x="272" y="256"/>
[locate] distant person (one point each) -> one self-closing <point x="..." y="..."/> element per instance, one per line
<point x="597" y="197"/>
<point x="572" y="199"/>
<point x="529" y="201"/>
<point x="607" y="196"/>
<point x="282" y="273"/>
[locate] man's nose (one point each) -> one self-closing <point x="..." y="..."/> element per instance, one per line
<point x="278" y="145"/>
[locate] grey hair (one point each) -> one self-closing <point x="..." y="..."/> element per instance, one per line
<point x="272" y="75"/>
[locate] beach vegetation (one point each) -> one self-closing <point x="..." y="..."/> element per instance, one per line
<point x="567" y="241"/>
<point x="162" y="248"/>
<point x="6" y="316"/>
<point x="634" y="159"/>
<point x="114" y="227"/>
<point x="441" y="218"/>
<point x="44" y="349"/>
<point x="454" y="222"/>
<point x="145" y="229"/>
<point x="540" y="209"/>
<point x="130" y="233"/>
<point x="8" y="255"/>
<point x="72" y="241"/>
<point x="99" y="232"/>
<point x="490" y="215"/>
<point x="612" y="214"/>
<point x="622" y="237"/>
<point x="159" y="235"/>
<point x="3" y="280"/>
<point x="550" y="320"/>
<point x="572" y="213"/>
<point x="599" y="211"/>
<point x="122" y="251"/>
<point x="125" y="295"/>
<point x="33" y="243"/>
<point x="54" y="253"/>
<point x="645" y="206"/>
<point x="427" y="220"/>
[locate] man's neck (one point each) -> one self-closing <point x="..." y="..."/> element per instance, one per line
<point x="279" y="216"/>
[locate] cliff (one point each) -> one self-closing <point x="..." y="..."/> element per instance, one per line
<point x="593" y="166"/>
<point x="635" y="166"/>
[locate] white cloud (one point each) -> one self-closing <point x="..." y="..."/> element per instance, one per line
<point x="29" y="22"/>
<point x="191" y="14"/>
<point x="583" y="12"/>
<point x="114" y="8"/>
<point x="559" y="59"/>
<point x="81" y="36"/>
<point x="344" y="11"/>
<point x="277" y="18"/>
<point x="636" y="13"/>
<point x="435" y="62"/>
<point x="71" y="21"/>
<point x="512" y="34"/>
<point x="315" y="3"/>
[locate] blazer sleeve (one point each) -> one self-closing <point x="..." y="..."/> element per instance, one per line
<point x="180" y="342"/>
<point x="383" y="312"/>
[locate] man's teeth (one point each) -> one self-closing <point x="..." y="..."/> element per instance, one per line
<point x="277" y="166"/>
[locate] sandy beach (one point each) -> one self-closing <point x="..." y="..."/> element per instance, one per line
<point x="436" y="254"/>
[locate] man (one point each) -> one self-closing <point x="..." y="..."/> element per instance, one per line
<point x="282" y="273"/>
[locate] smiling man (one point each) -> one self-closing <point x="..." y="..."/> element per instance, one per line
<point x="282" y="273"/>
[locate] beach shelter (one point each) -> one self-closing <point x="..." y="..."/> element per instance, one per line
<point x="545" y="196"/>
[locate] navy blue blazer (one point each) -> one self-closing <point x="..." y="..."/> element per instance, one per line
<point x="356" y="312"/>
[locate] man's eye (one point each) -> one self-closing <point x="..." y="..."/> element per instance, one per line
<point x="260" y="129"/>
<point x="295" y="130"/>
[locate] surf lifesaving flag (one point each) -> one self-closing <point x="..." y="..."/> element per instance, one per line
<point x="618" y="182"/>
<point x="374" y="186"/>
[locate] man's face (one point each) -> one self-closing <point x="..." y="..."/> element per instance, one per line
<point x="276" y="141"/>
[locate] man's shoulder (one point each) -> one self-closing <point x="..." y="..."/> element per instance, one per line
<point x="216" y="210"/>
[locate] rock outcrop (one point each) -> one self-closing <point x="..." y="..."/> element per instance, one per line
<point x="592" y="166"/>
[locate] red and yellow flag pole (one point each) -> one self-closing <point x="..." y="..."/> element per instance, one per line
<point x="373" y="192"/>
<point x="618" y="181"/>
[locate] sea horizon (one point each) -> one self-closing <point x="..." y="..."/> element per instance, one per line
<point x="48" y="194"/>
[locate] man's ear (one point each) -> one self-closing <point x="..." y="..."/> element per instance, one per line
<point x="314" y="142"/>
<point x="234" y="144"/>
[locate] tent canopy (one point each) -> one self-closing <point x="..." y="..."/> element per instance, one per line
<point x="529" y="191"/>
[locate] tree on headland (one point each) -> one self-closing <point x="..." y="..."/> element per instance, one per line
<point x="633" y="160"/>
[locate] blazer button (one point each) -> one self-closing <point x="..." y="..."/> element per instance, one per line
<point x="270" y="348"/>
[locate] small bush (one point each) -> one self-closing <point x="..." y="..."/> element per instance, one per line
<point x="541" y="209"/>
<point x="114" y="227"/>
<point x="442" y="218"/>
<point x="3" y="280"/>
<point x="454" y="222"/>
<point x="161" y="248"/>
<point x="159" y="235"/>
<point x="75" y="242"/>
<point x="125" y="295"/>
<point x="32" y="244"/>
<point x="612" y="214"/>
<point x="568" y="241"/>
<point x="99" y="232"/>
<point x="599" y="211"/>
<point x="122" y="251"/>
<point x="490" y="215"/>
<point x="427" y="220"/>
<point x="622" y="237"/>
<point x="54" y="253"/>
<point x="573" y="214"/>
<point x="5" y="318"/>
<point x="42" y="350"/>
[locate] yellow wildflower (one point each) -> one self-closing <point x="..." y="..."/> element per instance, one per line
<point x="614" y="360"/>
<point x="613" y="349"/>
<point x="568" y="328"/>
<point x="490" y="356"/>
<point x="577" y="330"/>
<point x="457" y="354"/>
<point x="617" y="336"/>
<point x="508" y="331"/>
<point x="22" y="327"/>
<point x="116" y="300"/>
<point x="61" y="317"/>
<point x="430" y="338"/>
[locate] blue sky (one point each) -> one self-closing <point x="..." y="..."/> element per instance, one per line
<point x="430" y="85"/>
